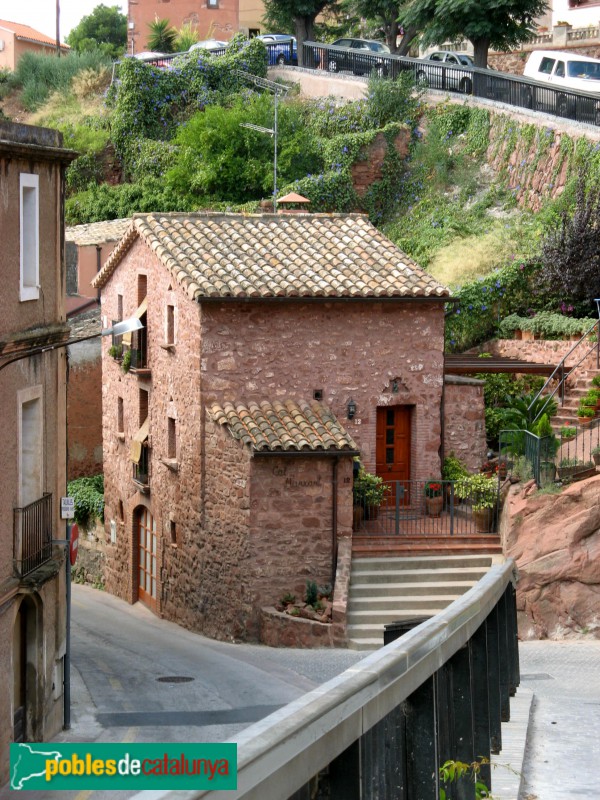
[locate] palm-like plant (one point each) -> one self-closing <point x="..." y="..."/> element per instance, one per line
<point x="162" y="36"/>
<point x="187" y="35"/>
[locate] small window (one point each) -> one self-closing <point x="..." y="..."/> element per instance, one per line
<point x="29" y="216"/>
<point x="546" y="65"/>
<point x="212" y="3"/>
<point x="119" y="307"/>
<point x="172" y="438"/>
<point x="142" y="288"/>
<point x="121" y="511"/>
<point x="560" y="69"/>
<point x="143" y="403"/>
<point x="173" y="533"/>
<point x="318" y="394"/>
<point x="170" y="332"/>
<point x="120" y="423"/>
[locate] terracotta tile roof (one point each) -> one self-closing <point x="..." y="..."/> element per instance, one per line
<point x="25" y="32"/>
<point x="284" y="426"/>
<point x="276" y="256"/>
<point x="97" y="232"/>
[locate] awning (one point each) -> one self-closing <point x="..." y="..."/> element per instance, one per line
<point x="138" y="440"/>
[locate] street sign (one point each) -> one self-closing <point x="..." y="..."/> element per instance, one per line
<point x="74" y="544"/>
<point x="67" y="507"/>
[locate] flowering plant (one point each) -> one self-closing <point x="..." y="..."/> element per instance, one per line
<point x="433" y="489"/>
<point x="489" y="466"/>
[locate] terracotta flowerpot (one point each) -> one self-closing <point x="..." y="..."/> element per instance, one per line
<point x="434" y="505"/>
<point x="585" y="422"/>
<point x="483" y="519"/>
<point x="596" y="457"/>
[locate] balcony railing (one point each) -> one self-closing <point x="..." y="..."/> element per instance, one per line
<point x="32" y="535"/>
<point x="407" y="510"/>
<point x="141" y="470"/>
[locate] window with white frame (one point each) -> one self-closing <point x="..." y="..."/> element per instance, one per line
<point x="29" y="225"/>
<point x="31" y="451"/>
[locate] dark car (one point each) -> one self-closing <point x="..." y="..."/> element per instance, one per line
<point x="360" y="56"/>
<point x="281" y="48"/>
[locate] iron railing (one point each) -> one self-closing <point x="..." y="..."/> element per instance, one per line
<point x="489" y="84"/>
<point x="32" y="535"/>
<point x="414" y="508"/>
<point x="550" y="458"/>
<point x="382" y="729"/>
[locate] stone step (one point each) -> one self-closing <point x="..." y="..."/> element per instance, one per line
<point x="391" y="602"/>
<point x="430" y="588"/>
<point x="421" y="562"/>
<point x="385" y="617"/>
<point x="417" y="575"/>
<point x="364" y="643"/>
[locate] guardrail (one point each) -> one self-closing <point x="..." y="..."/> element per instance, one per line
<point x="502" y="87"/>
<point x="382" y="728"/>
<point x="32" y="535"/>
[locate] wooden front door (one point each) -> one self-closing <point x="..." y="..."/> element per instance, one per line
<point x="147" y="558"/>
<point x="393" y="447"/>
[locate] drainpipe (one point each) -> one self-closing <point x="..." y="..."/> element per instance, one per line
<point x="98" y="265"/>
<point x="334" y="510"/>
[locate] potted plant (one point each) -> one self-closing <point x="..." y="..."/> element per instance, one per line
<point x="115" y="351"/>
<point x="567" y="433"/>
<point x="585" y="415"/>
<point x="483" y="493"/>
<point x="596" y="455"/>
<point x="368" y="492"/>
<point x="434" y="499"/>
<point x="569" y="467"/>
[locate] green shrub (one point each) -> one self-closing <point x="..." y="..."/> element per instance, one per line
<point x="392" y="101"/>
<point x="84" y="172"/>
<point x="311" y="593"/>
<point x="88" y="494"/>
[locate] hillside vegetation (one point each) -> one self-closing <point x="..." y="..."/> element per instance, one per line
<point x="164" y="140"/>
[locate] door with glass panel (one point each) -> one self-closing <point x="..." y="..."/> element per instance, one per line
<point x="146" y="525"/>
<point x="393" y="451"/>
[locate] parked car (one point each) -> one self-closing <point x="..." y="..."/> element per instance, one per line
<point x="564" y="70"/>
<point x="446" y="70"/>
<point x="450" y="57"/>
<point x="208" y="44"/>
<point x="360" y="56"/>
<point x="282" y="48"/>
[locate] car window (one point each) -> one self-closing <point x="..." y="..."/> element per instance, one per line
<point x="451" y="59"/>
<point x="559" y="70"/>
<point x="436" y="57"/>
<point x="342" y="43"/>
<point x="466" y="61"/>
<point x="546" y="65"/>
<point x="359" y="45"/>
<point x="583" y="69"/>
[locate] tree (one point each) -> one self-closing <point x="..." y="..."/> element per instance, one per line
<point x="570" y="254"/>
<point x="502" y="24"/>
<point x="300" y="13"/>
<point x="104" y="29"/>
<point x="385" y="13"/>
<point x="162" y="36"/>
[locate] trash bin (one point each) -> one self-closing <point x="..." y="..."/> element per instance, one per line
<point x="394" y="630"/>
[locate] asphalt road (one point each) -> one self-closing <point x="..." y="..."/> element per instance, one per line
<point x="137" y="678"/>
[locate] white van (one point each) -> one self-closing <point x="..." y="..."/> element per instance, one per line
<point x="564" y="70"/>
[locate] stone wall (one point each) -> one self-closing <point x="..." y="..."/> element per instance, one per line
<point x="555" y="541"/>
<point x="464" y="420"/>
<point x="355" y="350"/>
<point x="282" y="630"/>
<point x="84" y="409"/>
<point x="540" y="351"/>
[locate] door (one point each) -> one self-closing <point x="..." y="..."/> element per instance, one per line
<point x="20" y="673"/>
<point x="393" y="449"/>
<point x="147" y="558"/>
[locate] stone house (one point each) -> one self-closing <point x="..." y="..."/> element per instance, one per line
<point x="17" y="39"/>
<point x="33" y="434"/>
<point x="274" y="348"/>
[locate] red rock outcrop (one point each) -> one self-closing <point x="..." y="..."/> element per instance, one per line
<point x="555" y="541"/>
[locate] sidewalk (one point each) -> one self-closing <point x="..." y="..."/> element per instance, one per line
<point x="553" y="739"/>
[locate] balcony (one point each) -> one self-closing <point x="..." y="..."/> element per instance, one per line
<point x="141" y="470"/>
<point x="139" y="353"/>
<point x="32" y="535"/>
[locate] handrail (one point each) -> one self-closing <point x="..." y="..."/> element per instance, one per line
<point x="281" y="753"/>
<point x="560" y="366"/>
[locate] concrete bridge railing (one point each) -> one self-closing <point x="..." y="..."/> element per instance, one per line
<point x="383" y="728"/>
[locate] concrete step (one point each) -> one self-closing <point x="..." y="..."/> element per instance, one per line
<point x="398" y="602"/>
<point x="363" y="619"/>
<point x="429" y="588"/>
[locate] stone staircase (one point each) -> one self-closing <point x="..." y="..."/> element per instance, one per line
<point x="575" y="389"/>
<point x="383" y="590"/>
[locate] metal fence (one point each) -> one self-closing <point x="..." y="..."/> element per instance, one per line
<point x="489" y="84"/>
<point x="32" y="535"/>
<point x="415" y="508"/>
<point x="382" y="729"/>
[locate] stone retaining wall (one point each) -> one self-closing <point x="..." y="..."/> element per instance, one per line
<point x="282" y="630"/>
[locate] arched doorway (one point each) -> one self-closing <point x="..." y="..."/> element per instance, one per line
<point x="25" y="655"/>
<point x="147" y="557"/>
